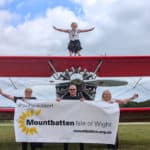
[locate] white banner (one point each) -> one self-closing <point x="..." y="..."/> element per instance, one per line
<point x="66" y="121"/>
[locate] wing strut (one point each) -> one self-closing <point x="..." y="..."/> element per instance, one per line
<point x="13" y="84"/>
<point x="98" y="66"/>
<point x="137" y="82"/>
<point x="53" y="69"/>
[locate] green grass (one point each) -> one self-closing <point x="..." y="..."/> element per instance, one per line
<point x="131" y="137"/>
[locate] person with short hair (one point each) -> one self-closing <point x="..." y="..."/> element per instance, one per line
<point x="107" y="97"/>
<point x="27" y="96"/>
<point x="74" y="45"/>
<point x="72" y="95"/>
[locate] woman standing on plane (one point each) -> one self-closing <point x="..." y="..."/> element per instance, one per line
<point x="74" y="45"/>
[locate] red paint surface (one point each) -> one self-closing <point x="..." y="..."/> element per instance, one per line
<point x="37" y="66"/>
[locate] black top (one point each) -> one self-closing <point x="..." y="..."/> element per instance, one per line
<point x="21" y="98"/>
<point x="71" y="97"/>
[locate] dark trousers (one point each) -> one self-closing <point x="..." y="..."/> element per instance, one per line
<point x="113" y="147"/>
<point x="25" y="146"/>
<point x="66" y="146"/>
<point x="33" y="145"/>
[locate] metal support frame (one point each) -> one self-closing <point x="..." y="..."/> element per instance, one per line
<point x="138" y="81"/>
<point x="98" y="66"/>
<point x="13" y="84"/>
<point x="53" y="69"/>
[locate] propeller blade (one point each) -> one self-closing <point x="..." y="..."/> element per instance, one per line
<point x="54" y="82"/>
<point x="106" y="82"/>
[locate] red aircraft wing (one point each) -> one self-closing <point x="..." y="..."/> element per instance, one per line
<point x="125" y="66"/>
<point x="35" y="66"/>
<point x="38" y="66"/>
<point x="110" y="66"/>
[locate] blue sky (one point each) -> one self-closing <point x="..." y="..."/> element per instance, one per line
<point x="37" y="8"/>
<point x="121" y="27"/>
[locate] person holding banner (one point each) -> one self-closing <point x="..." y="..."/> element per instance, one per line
<point x="27" y="96"/>
<point x="107" y="97"/>
<point x="72" y="95"/>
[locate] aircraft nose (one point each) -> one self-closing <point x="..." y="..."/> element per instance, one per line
<point x="76" y="76"/>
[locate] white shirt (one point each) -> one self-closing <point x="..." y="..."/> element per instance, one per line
<point x="73" y="35"/>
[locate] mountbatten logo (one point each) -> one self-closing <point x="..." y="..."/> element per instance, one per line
<point x="28" y="124"/>
<point x="22" y="121"/>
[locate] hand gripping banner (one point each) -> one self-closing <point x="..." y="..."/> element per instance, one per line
<point x="66" y="121"/>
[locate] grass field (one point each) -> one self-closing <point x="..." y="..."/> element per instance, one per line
<point x="131" y="137"/>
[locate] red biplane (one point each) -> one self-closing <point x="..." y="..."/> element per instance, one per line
<point x="85" y="72"/>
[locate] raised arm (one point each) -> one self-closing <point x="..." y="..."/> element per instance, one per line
<point x="6" y="95"/>
<point x="61" y="30"/>
<point x="86" y="30"/>
<point x="124" y="101"/>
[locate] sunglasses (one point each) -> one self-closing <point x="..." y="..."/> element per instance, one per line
<point x="72" y="89"/>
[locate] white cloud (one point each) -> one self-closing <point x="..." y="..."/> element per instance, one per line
<point x="5" y="17"/>
<point x="122" y="27"/>
<point x="4" y="2"/>
<point x="37" y="37"/>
